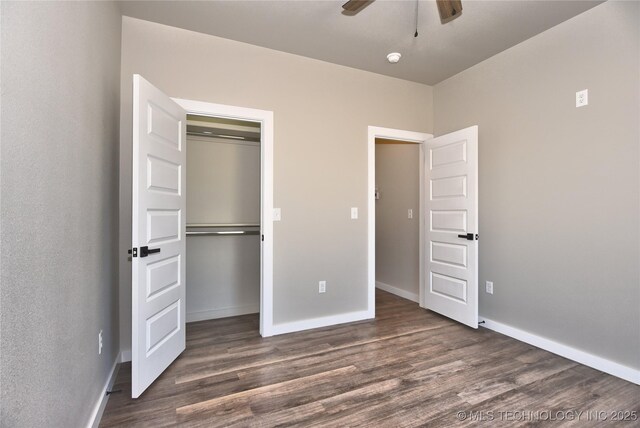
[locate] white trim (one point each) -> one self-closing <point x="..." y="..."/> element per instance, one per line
<point x="266" y="207"/>
<point x="422" y="216"/>
<point x="308" y="324"/>
<point x="101" y="403"/>
<point x="615" y="369"/>
<point x="230" y="311"/>
<point x="401" y="135"/>
<point x="414" y="297"/>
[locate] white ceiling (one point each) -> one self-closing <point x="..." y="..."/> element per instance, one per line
<point x="318" y="29"/>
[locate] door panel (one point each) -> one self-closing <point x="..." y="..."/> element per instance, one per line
<point x="159" y="203"/>
<point x="451" y="176"/>
<point x="449" y="254"/>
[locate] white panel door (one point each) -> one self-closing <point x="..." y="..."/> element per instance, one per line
<point x="158" y="241"/>
<point x="451" y="174"/>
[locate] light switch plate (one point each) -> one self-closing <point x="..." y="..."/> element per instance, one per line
<point x="354" y="213"/>
<point x="410" y="213"/>
<point x="582" y="98"/>
<point x="322" y="286"/>
<point x="277" y="214"/>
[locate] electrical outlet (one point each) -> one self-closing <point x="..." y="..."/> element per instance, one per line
<point x="277" y="214"/>
<point x="410" y="213"/>
<point x="489" y="287"/>
<point x="582" y="98"/>
<point x="354" y="213"/>
<point x="100" y="342"/>
<point x="322" y="287"/>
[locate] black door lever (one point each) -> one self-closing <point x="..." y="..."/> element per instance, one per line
<point x="469" y="236"/>
<point x="145" y="251"/>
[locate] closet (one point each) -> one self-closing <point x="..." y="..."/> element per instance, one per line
<point x="223" y="218"/>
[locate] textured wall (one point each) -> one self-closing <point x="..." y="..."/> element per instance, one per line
<point x="59" y="174"/>
<point x="559" y="185"/>
<point x="397" y="236"/>
<point x="321" y="114"/>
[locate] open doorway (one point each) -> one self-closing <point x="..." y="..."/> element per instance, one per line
<point x="398" y="213"/>
<point x="256" y="127"/>
<point x="223" y="218"/>
<point x="448" y="221"/>
<point x="414" y="144"/>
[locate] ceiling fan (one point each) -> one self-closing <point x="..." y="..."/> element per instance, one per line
<point x="448" y="9"/>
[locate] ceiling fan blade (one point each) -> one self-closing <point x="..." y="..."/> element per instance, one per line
<point x="449" y="10"/>
<point x="354" y="6"/>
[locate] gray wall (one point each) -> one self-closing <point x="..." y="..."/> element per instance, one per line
<point x="559" y="185"/>
<point x="223" y="181"/>
<point x="223" y="186"/>
<point x="60" y="102"/>
<point x="321" y="114"/>
<point x="397" y="236"/>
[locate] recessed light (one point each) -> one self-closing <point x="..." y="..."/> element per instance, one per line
<point x="207" y="132"/>
<point x="394" y="57"/>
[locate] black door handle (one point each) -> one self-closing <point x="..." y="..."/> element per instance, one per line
<point x="145" y="251"/>
<point x="469" y="236"/>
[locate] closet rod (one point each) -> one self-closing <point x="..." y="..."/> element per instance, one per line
<point x="225" y="233"/>
<point x="222" y="225"/>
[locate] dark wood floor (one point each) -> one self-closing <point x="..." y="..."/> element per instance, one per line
<point x="409" y="367"/>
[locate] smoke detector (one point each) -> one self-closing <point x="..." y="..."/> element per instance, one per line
<point x="394" y="57"/>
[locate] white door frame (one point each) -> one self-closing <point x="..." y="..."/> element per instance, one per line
<point x="265" y="118"/>
<point x="400" y="135"/>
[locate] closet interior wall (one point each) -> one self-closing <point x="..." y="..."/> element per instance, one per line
<point x="223" y="187"/>
<point x="397" y="232"/>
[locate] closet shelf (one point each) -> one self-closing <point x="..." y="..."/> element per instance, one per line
<point x="224" y="233"/>
<point x="222" y="225"/>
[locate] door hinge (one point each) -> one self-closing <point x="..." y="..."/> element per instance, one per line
<point x="262" y="238"/>
<point x="133" y="251"/>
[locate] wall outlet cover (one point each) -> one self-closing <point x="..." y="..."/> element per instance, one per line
<point x="582" y="98"/>
<point x="277" y="214"/>
<point x="489" y="287"/>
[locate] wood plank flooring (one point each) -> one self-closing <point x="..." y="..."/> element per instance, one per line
<point x="409" y="367"/>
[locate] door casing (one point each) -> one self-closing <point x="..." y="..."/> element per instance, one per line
<point x="265" y="118"/>
<point x="392" y="134"/>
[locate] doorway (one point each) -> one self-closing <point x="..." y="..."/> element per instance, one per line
<point x="223" y="218"/>
<point x="398" y="214"/>
<point x="403" y="137"/>
<point x="264" y="121"/>
<point x="448" y="249"/>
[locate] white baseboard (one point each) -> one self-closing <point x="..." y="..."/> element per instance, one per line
<point x="223" y="312"/>
<point x="98" y="408"/>
<point x="294" y="326"/>
<point x="398" y="291"/>
<point x="615" y="369"/>
<point x="125" y="355"/>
